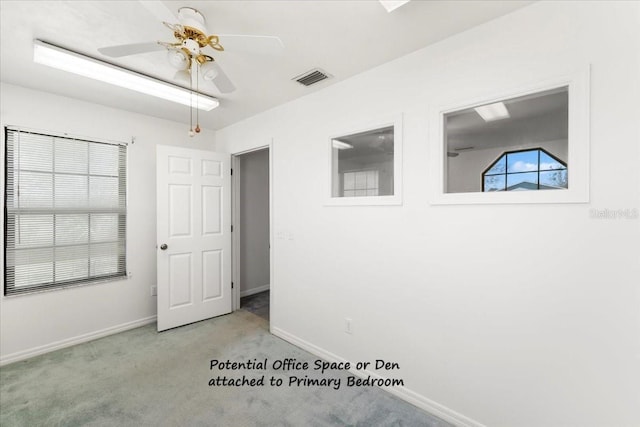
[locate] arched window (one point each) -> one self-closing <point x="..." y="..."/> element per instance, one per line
<point x="530" y="169"/>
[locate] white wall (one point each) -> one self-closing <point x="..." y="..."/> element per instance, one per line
<point x="35" y="323"/>
<point x="254" y="222"/>
<point x="504" y="315"/>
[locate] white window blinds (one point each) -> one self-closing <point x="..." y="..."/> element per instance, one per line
<point x="65" y="211"/>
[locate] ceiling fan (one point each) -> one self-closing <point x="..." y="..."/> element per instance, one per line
<point x="187" y="52"/>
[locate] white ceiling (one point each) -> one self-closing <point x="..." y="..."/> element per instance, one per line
<point x="343" y="38"/>
<point x="532" y="118"/>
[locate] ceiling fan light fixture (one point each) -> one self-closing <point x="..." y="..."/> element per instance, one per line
<point x="66" y="60"/>
<point x="178" y="59"/>
<point x="209" y="71"/>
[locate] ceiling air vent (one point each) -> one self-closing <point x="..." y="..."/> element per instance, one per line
<point x="311" y="77"/>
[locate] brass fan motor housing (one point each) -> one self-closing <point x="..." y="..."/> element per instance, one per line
<point x="199" y="37"/>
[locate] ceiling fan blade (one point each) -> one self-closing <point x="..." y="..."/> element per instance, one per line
<point x="265" y="45"/>
<point x="221" y="81"/>
<point x="160" y="11"/>
<point x="130" y="49"/>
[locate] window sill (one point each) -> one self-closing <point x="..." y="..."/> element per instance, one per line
<point x="511" y="197"/>
<point x="35" y="291"/>
<point x="364" y="201"/>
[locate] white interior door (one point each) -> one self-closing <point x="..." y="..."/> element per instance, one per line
<point x="194" y="235"/>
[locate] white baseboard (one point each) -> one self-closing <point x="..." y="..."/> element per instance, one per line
<point x="403" y="393"/>
<point x="25" y="354"/>
<point x="252" y="291"/>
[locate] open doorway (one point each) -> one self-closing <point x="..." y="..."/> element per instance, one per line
<point x="251" y="234"/>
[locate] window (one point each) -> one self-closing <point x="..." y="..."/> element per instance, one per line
<point x="65" y="210"/>
<point x="360" y="183"/>
<point x="546" y="110"/>
<point x="525" y="170"/>
<point x="365" y="165"/>
<point x="519" y="126"/>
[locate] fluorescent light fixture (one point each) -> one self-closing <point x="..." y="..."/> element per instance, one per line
<point x="62" y="59"/>
<point x="493" y="112"/>
<point x="341" y="145"/>
<point x="392" y="5"/>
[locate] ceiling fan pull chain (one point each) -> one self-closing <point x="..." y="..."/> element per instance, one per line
<point x="191" y="133"/>
<point x="197" y="98"/>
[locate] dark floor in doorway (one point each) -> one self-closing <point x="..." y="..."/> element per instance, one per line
<point x="257" y="304"/>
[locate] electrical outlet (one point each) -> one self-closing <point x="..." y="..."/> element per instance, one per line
<point x="154" y="291"/>
<point x="348" y="326"/>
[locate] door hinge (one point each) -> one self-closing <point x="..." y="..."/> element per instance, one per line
<point x="232" y="228"/>
<point x="231" y="171"/>
<point x="231" y="285"/>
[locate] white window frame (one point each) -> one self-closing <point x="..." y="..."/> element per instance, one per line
<point x="578" y="146"/>
<point x="396" y="198"/>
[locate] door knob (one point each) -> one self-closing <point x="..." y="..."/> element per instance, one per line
<point x="163" y="246"/>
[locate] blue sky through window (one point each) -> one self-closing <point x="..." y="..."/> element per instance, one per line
<point x="524" y="161"/>
<point x="533" y="169"/>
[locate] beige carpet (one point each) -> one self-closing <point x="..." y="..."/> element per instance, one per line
<point x="143" y="378"/>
